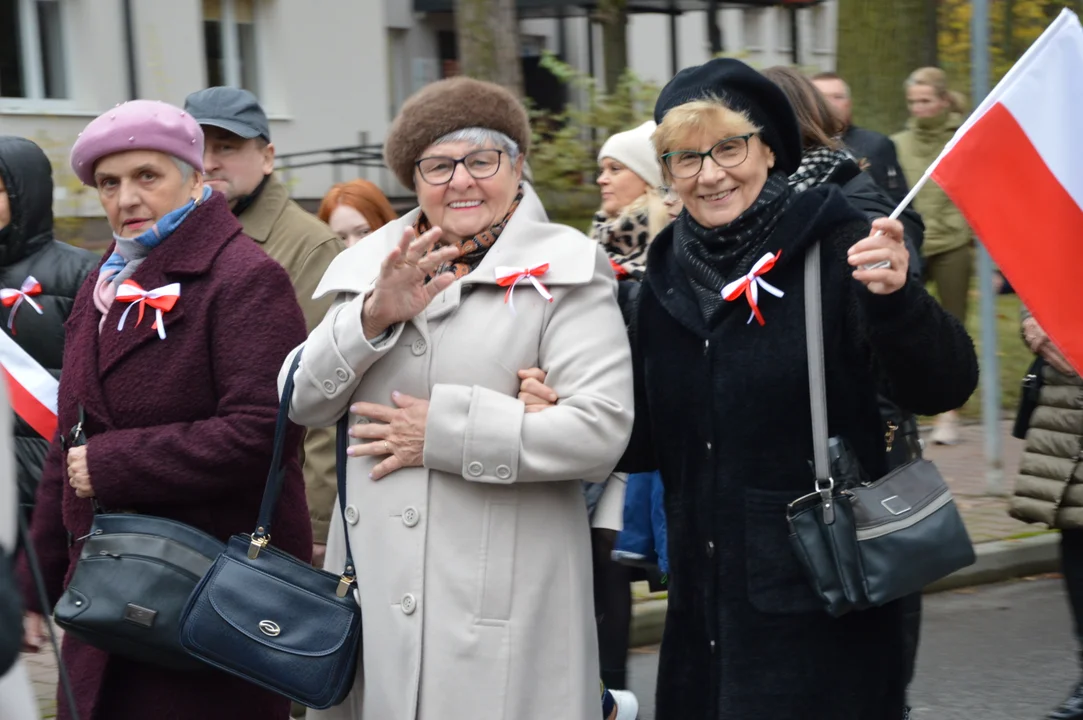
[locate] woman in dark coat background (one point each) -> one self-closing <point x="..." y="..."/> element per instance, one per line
<point x="180" y="404"/>
<point x="722" y="405"/>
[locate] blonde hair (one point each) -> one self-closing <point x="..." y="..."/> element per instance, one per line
<point x="695" y="117"/>
<point x="937" y="79"/>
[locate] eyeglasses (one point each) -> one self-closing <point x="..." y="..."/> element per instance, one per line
<point x="480" y="164"/>
<point x="727" y="153"/>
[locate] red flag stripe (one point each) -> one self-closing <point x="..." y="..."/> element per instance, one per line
<point x="1027" y="220"/>
<point x="26" y="406"/>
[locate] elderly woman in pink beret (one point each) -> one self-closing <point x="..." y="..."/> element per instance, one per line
<point x="179" y="405"/>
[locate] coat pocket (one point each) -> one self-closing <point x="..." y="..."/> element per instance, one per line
<point x="777" y="583"/>
<point x="497" y="561"/>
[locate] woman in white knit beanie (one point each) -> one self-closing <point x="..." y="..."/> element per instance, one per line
<point x="632" y="211"/>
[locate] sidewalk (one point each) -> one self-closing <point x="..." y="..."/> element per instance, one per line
<point x="963" y="466"/>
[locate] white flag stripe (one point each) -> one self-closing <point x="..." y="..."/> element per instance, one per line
<point x="27" y="372"/>
<point x="1047" y="102"/>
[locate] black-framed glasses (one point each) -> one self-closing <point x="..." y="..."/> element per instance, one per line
<point x="481" y="164"/>
<point x="727" y="153"/>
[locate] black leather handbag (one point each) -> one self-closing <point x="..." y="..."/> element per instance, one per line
<point x="132" y="581"/>
<point x="11" y="613"/>
<point x="272" y="619"/>
<point x="866" y="544"/>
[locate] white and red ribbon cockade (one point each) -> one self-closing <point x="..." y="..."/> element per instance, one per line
<point x="750" y="284"/>
<point x="161" y="299"/>
<point x="13" y="298"/>
<point x="509" y="277"/>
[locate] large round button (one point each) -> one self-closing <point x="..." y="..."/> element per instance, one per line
<point x="363" y="421"/>
<point x="419" y="347"/>
<point x="475" y="469"/>
<point x="342" y="375"/>
<point x="503" y="472"/>
<point x="410" y="517"/>
<point x="329" y="386"/>
<point x="409" y="604"/>
<point x="351" y="514"/>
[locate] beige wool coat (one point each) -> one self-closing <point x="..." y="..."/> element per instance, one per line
<point x="474" y="571"/>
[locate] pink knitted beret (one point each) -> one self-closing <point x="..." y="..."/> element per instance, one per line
<point x="138" y="125"/>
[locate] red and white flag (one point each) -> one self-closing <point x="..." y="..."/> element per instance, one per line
<point x="1015" y="170"/>
<point x="32" y="390"/>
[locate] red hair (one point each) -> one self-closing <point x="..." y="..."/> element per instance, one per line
<point x="362" y="196"/>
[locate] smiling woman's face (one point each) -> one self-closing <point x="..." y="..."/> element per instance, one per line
<point x="139" y="187"/>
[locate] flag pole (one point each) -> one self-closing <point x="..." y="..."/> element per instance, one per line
<point x="990" y="363"/>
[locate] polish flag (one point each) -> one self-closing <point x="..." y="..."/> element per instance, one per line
<point x="1015" y="170"/>
<point x="32" y="390"/>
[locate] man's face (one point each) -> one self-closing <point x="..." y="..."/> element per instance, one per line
<point x="838" y="94"/>
<point x="234" y="166"/>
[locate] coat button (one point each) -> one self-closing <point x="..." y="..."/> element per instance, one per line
<point x="342" y="375"/>
<point x="329" y="386"/>
<point x="475" y="469"/>
<point x="419" y="347"/>
<point x="351" y="514"/>
<point x="503" y="472"/>
<point x="409" y="604"/>
<point x="410" y="517"/>
<point x="363" y="421"/>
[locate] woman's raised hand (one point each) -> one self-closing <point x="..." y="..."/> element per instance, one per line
<point x="885" y="248"/>
<point x="403" y="288"/>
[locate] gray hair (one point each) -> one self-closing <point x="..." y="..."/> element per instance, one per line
<point x="483" y="136"/>
<point x="186" y="170"/>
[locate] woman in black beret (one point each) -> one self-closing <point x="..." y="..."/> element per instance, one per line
<point x="722" y="404"/>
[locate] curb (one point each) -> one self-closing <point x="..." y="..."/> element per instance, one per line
<point x="997" y="561"/>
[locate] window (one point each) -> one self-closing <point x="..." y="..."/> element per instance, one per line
<point x="823" y="29"/>
<point x="783" y="27"/>
<point x="33" y="63"/>
<point x="229" y="41"/>
<point x="753" y="21"/>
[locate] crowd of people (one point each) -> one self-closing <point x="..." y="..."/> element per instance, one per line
<point x="538" y="417"/>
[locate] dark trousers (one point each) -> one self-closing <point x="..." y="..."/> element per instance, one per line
<point x="612" y="609"/>
<point x="1071" y="562"/>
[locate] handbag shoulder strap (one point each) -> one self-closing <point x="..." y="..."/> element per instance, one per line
<point x="277" y="475"/>
<point x="814" y="334"/>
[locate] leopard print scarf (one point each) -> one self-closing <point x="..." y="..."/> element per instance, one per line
<point x="626" y="240"/>
<point x="472" y="249"/>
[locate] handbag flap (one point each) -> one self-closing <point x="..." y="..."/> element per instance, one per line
<point x="275" y="612"/>
<point x="899" y="494"/>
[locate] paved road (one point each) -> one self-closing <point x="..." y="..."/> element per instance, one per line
<point x="1001" y="652"/>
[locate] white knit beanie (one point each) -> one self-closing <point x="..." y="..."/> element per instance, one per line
<point x="634" y="150"/>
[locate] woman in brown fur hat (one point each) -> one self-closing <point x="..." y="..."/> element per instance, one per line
<point x="464" y="512"/>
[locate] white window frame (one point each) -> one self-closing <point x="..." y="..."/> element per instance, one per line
<point x="34" y="100"/>
<point x="231" y="59"/>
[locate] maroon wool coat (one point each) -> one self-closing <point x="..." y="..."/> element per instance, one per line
<point x="180" y="428"/>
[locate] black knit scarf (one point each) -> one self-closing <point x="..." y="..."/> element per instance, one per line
<point x="712" y="257"/>
<point x="817" y="166"/>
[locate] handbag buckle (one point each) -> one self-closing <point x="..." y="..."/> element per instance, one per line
<point x="827" y="505"/>
<point x="348" y="578"/>
<point x="258" y="543"/>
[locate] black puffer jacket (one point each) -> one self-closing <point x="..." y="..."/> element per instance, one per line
<point x="27" y="248"/>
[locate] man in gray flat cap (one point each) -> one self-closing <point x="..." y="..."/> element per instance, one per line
<point x="238" y="160"/>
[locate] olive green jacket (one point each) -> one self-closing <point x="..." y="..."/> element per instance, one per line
<point x="945" y="227"/>
<point x="1049" y="488"/>
<point x="305" y="247"/>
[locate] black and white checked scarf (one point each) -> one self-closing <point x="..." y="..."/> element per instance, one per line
<point x="711" y="257"/>
<point x="816" y="167"/>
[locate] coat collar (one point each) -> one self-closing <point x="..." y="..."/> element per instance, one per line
<point x="260" y="218"/>
<point x="189" y="252"/>
<point x="528" y="240"/>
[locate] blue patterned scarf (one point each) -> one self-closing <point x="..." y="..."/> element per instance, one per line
<point x="131" y="252"/>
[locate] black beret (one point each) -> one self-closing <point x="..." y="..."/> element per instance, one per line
<point x="740" y="88"/>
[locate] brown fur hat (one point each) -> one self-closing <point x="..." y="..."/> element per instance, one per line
<point x="448" y="105"/>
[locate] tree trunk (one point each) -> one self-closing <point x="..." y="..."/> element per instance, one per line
<point x="613" y="16"/>
<point x="879" y="44"/>
<point x="714" y="31"/>
<point x="930" y="51"/>
<point x="488" y="40"/>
